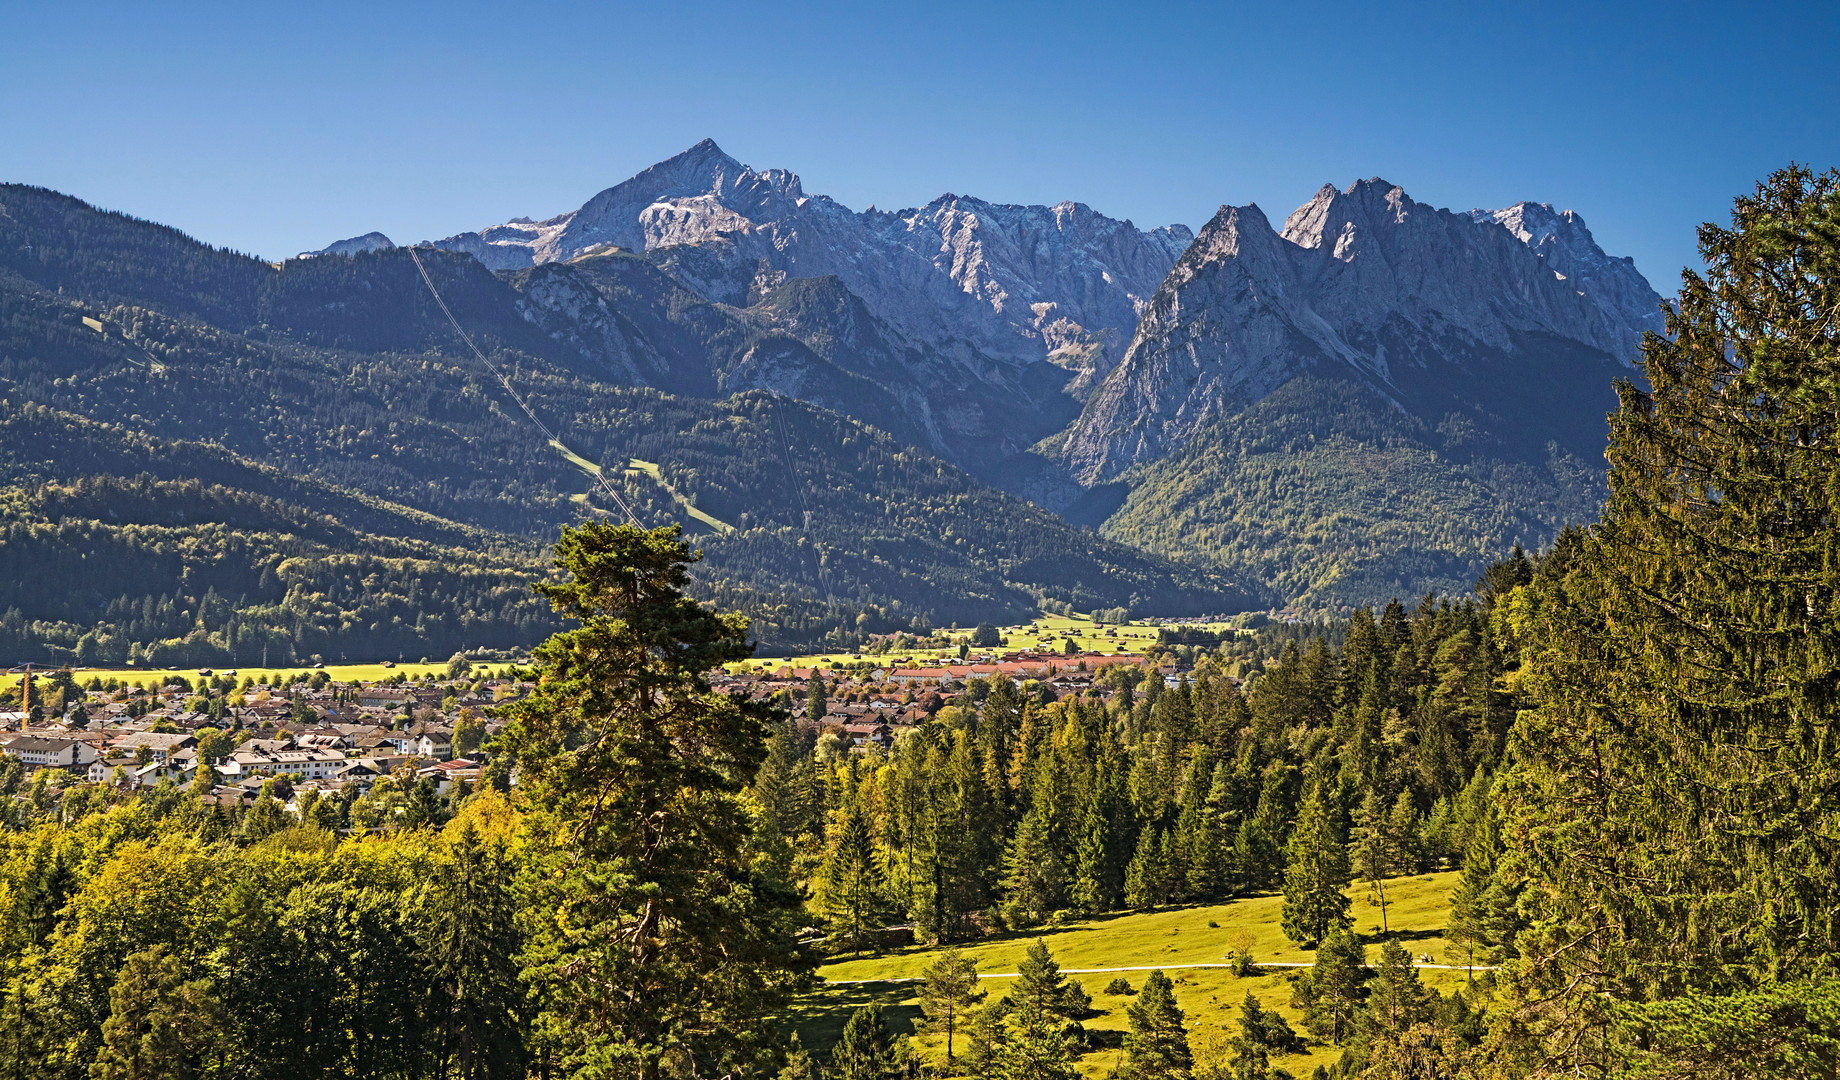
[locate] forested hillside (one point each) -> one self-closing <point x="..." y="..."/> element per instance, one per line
<point x="329" y="386"/>
<point x="1334" y="495"/>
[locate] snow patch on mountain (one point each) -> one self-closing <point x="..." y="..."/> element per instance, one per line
<point x="357" y="245"/>
<point x="968" y="278"/>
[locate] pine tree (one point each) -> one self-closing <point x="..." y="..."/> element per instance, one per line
<point x="1035" y="1046"/>
<point x="851" y="878"/>
<point x="1157" y="1046"/>
<point x="1330" y="994"/>
<point x="1140" y="884"/>
<point x="865" y="1050"/>
<point x="1033" y="873"/>
<point x="1397" y="1001"/>
<point x="1039" y="982"/>
<point x="1403" y="826"/>
<point x="1374" y="850"/>
<point x="949" y="993"/>
<point x="1250" y="1050"/>
<point x="1483" y="910"/>
<point x="1683" y="657"/>
<point x="632" y="769"/>
<point x="1316" y="871"/>
<point x="1200" y="843"/>
<point x="160" y="1026"/>
<point x="1162" y="873"/>
<point x="1087" y="888"/>
<point x="469" y="936"/>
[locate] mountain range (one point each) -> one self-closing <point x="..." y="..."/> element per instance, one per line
<point x="874" y="420"/>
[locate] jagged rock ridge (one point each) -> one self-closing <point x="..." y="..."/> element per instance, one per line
<point x="965" y="277"/>
<point x="1362" y="283"/>
<point x="357" y="245"/>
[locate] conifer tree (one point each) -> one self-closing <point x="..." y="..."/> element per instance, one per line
<point x="1157" y="1046"/>
<point x="1093" y="851"/>
<point x="1684" y="660"/>
<point x="1262" y="1033"/>
<point x="1140" y="892"/>
<point x="817" y="699"/>
<point x="865" y="1050"/>
<point x="660" y="929"/>
<point x="949" y="993"/>
<point x="1404" y="826"/>
<point x="1483" y="919"/>
<point x="160" y="1026"/>
<point x="1033" y="873"/>
<point x="1397" y="1000"/>
<point x="1316" y="871"/>
<point x="1375" y="850"/>
<point x="851" y="878"/>
<point x="470" y="937"/>
<point x="1331" y="993"/>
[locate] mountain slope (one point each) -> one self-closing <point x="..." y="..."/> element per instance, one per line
<point x="1335" y="497"/>
<point x="1438" y="312"/>
<point x="331" y="392"/>
<point x="965" y="276"/>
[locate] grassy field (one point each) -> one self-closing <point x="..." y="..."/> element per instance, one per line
<point x="1210" y="997"/>
<point x="651" y="469"/>
<point x="1047" y="633"/>
<point x="337" y="672"/>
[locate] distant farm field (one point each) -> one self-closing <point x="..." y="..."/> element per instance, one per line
<point x="346" y="673"/>
<point x="1417" y="913"/>
<point x="1049" y="633"/>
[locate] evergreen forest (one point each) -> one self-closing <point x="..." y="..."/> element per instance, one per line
<point x="1624" y="742"/>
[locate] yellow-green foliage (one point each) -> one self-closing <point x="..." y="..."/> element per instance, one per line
<point x="1418" y="909"/>
<point x="77" y="899"/>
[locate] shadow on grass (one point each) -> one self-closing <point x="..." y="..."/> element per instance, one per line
<point x="819" y="1016"/>
<point x="1377" y="938"/>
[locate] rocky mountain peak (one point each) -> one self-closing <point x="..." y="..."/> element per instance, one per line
<point x="1362" y="282"/>
<point x="1561" y="241"/>
<point x="357" y="245"/>
<point x="977" y="280"/>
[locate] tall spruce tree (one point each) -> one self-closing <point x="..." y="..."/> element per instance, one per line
<point x="865" y="1050"/>
<point x="1035" y="1046"/>
<point x="1330" y="994"/>
<point x="850" y="881"/>
<point x="1669" y="797"/>
<point x="1157" y="1046"/>
<point x="1375" y="850"/>
<point x="1316" y="870"/>
<point x="468" y="931"/>
<point x="1033" y="873"/>
<point x="657" y="928"/>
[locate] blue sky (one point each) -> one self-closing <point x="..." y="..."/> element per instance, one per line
<point x="271" y="128"/>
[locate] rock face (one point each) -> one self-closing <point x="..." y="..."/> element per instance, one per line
<point x="992" y="326"/>
<point x="1362" y="283"/>
<point x="1562" y="241"/>
<point x="357" y="245"/>
<point x="971" y="279"/>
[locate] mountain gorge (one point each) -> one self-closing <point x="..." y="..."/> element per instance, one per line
<point x="874" y="420"/>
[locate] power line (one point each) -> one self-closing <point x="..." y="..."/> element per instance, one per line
<point x="599" y="474"/>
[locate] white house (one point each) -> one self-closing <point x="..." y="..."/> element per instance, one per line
<point x="50" y="752"/>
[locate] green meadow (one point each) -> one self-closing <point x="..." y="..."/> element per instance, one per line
<point x="1418" y="909"/>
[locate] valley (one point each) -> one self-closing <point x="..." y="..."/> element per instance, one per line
<point x="960" y="422"/>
